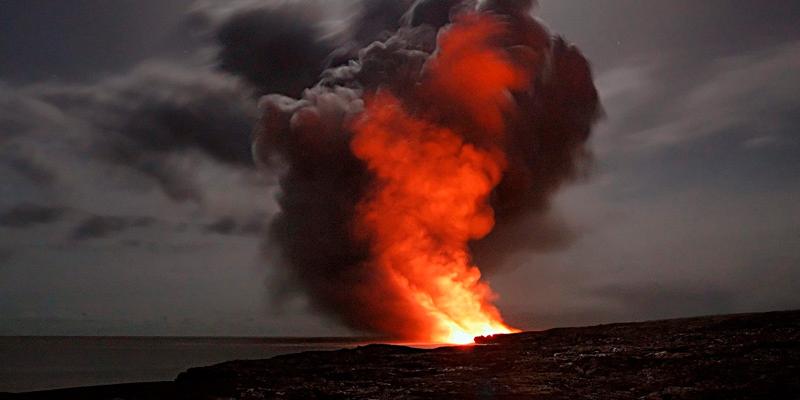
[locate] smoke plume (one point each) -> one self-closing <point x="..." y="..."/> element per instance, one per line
<point x="420" y="154"/>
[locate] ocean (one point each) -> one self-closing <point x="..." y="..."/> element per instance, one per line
<point x="39" y="363"/>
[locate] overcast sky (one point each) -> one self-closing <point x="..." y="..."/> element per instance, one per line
<point x="129" y="203"/>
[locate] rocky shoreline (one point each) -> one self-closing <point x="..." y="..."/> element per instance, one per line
<point x="748" y="356"/>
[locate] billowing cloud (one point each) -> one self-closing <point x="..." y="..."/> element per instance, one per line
<point x="277" y="47"/>
<point x="546" y="130"/>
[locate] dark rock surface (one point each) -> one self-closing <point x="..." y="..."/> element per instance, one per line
<point x="752" y="356"/>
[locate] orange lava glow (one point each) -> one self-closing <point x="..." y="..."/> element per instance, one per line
<point x="432" y="186"/>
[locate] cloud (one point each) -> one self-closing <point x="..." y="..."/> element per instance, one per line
<point x="277" y="47"/>
<point x="680" y="252"/>
<point x="636" y="300"/>
<point x="162" y="108"/>
<point x="26" y="215"/>
<point x="28" y="167"/>
<point x="229" y="225"/>
<point x="97" y="227"/>
<point x="693" y="212"/>
<point x="5" y="255"/>
<point x="432" y="12"/>
<point x="378" y="19"/>
<point x="753" y="94"/>
<point x="31" y="130"/>
<point x="158" y="121"/>
<point x="153" y="120"/>
<point x="759" y="142"/>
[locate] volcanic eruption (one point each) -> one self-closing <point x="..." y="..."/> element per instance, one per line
<point x="398" y="165"/>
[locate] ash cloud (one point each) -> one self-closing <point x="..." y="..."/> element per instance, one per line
<point x="274" y="47"/>
<point x="371" y="20"/>
<point x="435" y="13"/>
<point x="322" y="182"/>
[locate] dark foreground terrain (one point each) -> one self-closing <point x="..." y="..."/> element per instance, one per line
<point x="753" y="356"/>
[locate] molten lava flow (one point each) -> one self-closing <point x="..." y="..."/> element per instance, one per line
<point x="433" y="179"/>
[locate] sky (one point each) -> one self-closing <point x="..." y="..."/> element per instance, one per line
<point x="130" y="203"/>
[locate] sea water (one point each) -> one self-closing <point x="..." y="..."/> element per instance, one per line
<point x="39" y="363"/>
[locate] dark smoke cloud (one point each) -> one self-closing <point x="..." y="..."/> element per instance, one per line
<point x="275" y="47"/>
<point x="272" y="50"/>
<point x="322" y="181"/>
<point x="435" y="13"/>
<point x="27" y="214"/>
<point x="281" y="48"/>
<point x="377" y="19"/>
<point x="371" y="20"/>
<point x="98" y="227"/>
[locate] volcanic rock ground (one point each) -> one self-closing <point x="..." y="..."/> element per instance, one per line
<point x="752" y="356"/>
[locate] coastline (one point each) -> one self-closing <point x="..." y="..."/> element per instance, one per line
<point x="740" y="356"/>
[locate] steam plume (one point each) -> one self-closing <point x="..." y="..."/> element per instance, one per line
<point x="510" y="107"/>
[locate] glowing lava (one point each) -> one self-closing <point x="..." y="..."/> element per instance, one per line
<point x="434" y="170"/>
